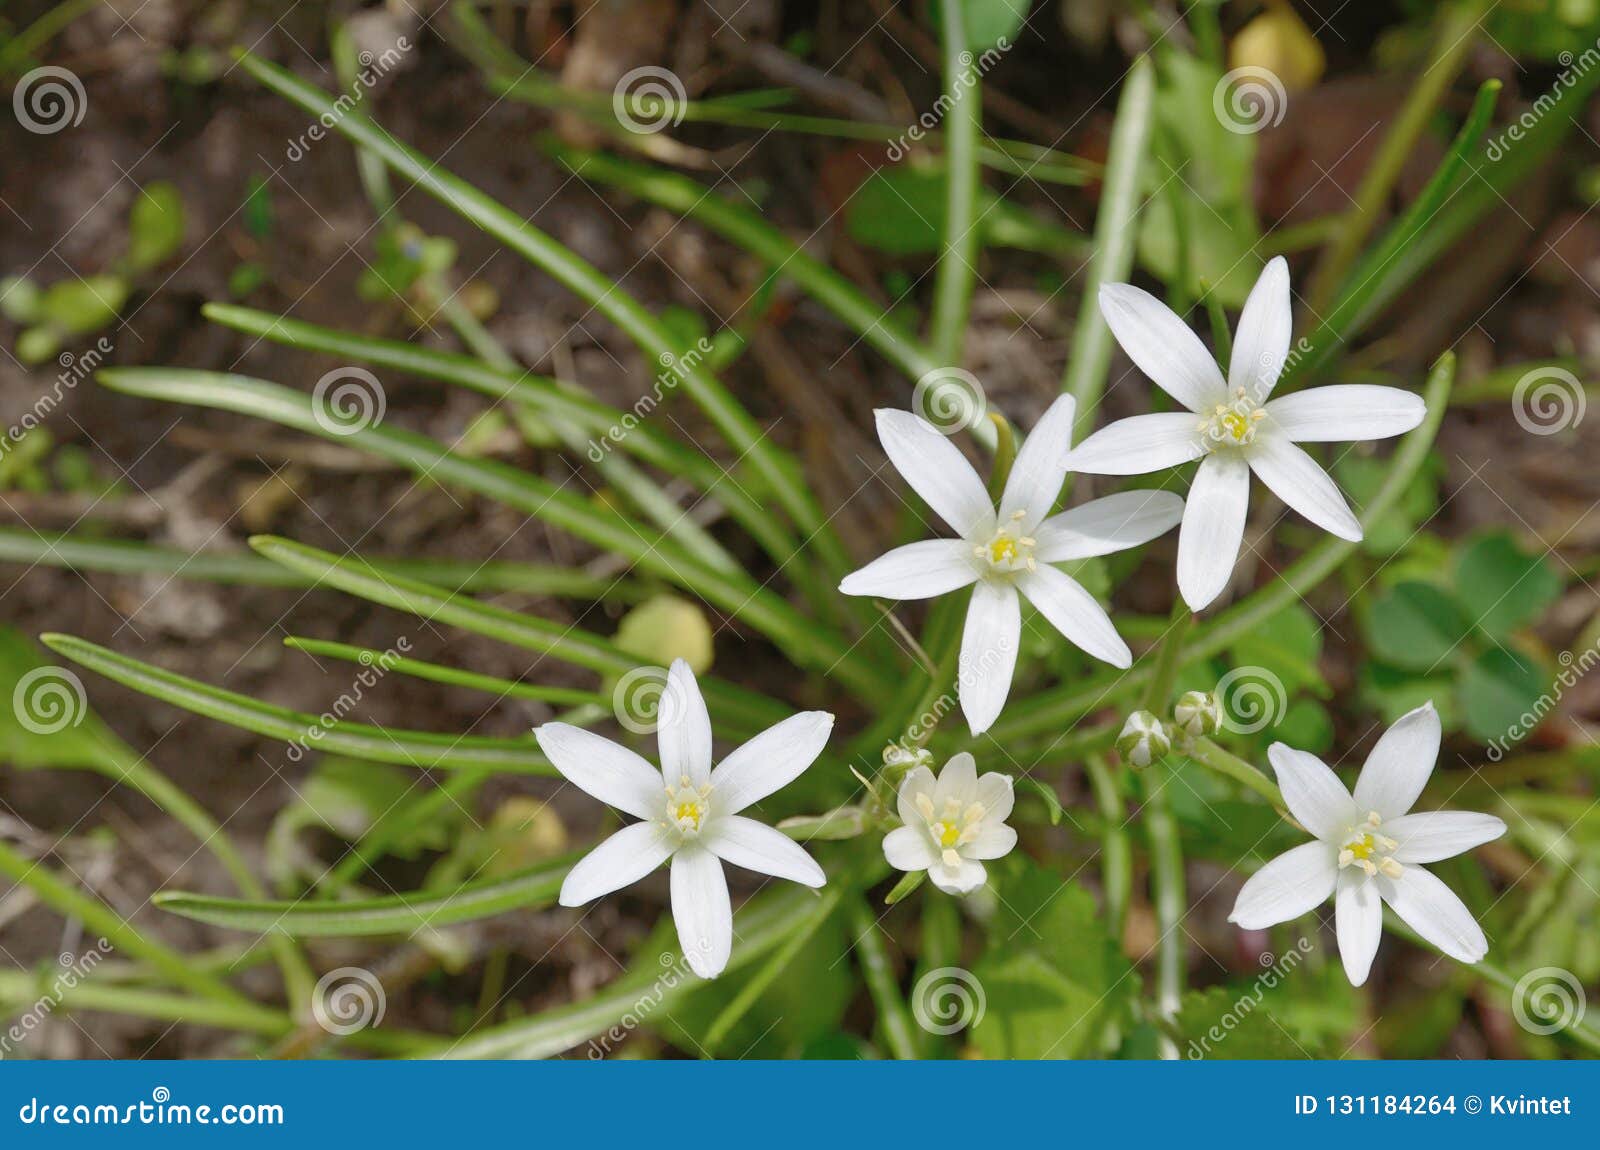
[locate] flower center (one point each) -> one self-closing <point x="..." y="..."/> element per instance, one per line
<point x="1009" y="550"/>
<point x="1232" y="424"/>
<point x="951" y="827"/>
<point x="1369" y="850"/>
<point x="687" y="806"/>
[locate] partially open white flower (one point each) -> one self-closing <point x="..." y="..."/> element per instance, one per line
<point x="1006" y="552"/>
<point x="1231" y="427"/>
<point x="952" y="823"/>
<point x="1369" y="850"/>
<point x="690" y="812"/>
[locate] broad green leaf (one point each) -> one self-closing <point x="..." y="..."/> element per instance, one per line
<point x="1501" y="586"/>
<point x="1233" y="1023"/>
<point x="1306" y="726"/>
<point x="1503" y="695"/>
<point x="531" y="889"/>
<point x="1288" y="645"/>
<point x="1416" y="626"/>
<point x="1392" y="692"/>
<point x="155" y="226"/>
<point x="80" y="306"/>
<point x="45" y="719"/>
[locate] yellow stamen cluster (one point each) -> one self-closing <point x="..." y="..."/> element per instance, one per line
<point x="1364" y="843"/>
<point x="687" y="806"/>
<point x="952" y="827"/>
<point x="1233" y="424"/>
<point x="1007" y="550"/>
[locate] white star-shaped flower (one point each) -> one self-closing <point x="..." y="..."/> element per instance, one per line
<point x="689" y="812"/>
<point x="1232" y="428"/>
<point x="952" y="824"/>
<point x="1006" y="552"/>
<point x="1369" y="850"/>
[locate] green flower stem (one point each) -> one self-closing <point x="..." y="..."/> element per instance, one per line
<point x="1167" y="889"/>
<point x="1115" y="230"/>
<point x="1056" y="710"/>
<point x="1231" y="766"/>
<point x="1116" y="850"/>
<point x="99" y="918"/>
<point x="1168" y="660"/>
<point x="589" y="284"/>
<point x="962" y="242"/>
<point x="1457" y="35"/>
<point x="894" y="1019"/>
<point x="453" y="676"/>
<point x="118" y="557"/>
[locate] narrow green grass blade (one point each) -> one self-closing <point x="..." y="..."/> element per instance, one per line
<point x="123" y="557"/>
<point x="962" y="244"/>
<point x="452" y="676"/>
<point x="747" y="438"/>
<point x="1115" y="231"/>
<point x="531" y="889"/>
<point x="358" y="740"/>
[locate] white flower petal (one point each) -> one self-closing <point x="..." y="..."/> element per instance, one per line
<point x="994" y="840"/>
<point x="1103" y="526"/>
<point x="915" y="571"/>
<point x="1299" y="481"/>
<point x="997" y="794"/>
<point x="756" y="846"/>
<point x="1358" y="923"/>
<point x="1295" y="883"/>
<point x="937" y="471"/>
<point x="1345" y="413"/>
<point x="1074" y="612"/>
<point x="958" y="779"/>
<point x="963" y="878"/>
<point x="1432" y="910"/>
<point x="909" y="848"/>
<point x="1435" y="835"/>
<point x="770" y="761"/>
<point x="1139" y="444"/>
<point x="701" y="910"/>
<point x="1261" y="344"/>
<point x="621" y="860"/>
<point x="611" y="773"/>
<point x="918" y="781"/>
<point x="1162" y="346"/>
<point x="989" y="645"/>
<point x="1313" y="793"/>
<point x="1040" y="467"/>
<point x="1213" y="528"/>
<point x="683" y="733"/>
<point x="1400" y="763"/>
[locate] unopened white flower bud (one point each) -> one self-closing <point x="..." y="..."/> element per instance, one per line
<point x="1197" y="714"/>
<point x="1143" y="739"/>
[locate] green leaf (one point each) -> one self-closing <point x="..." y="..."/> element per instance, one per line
<point x="1306" y="726"/>
<point x="1502" y="586"/>
<point x="901" y="210"/>
<point x="1288" y="645"/>
<point x="80" y="306"/>
<point x="1501" y="693"/>
<point x="990" y="23"/>
<point x="155" y="226"/>
<point x="1392" y="692"/>
<point x="1234" y="1022"/>
<point x="45" y="720"/>
<point x="1361" y="476"/>
<point x="1052" y="979"/>
<point x="531" y="889"/>
<point x="19" y="299"/>
<point x="1416" y="626"/>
